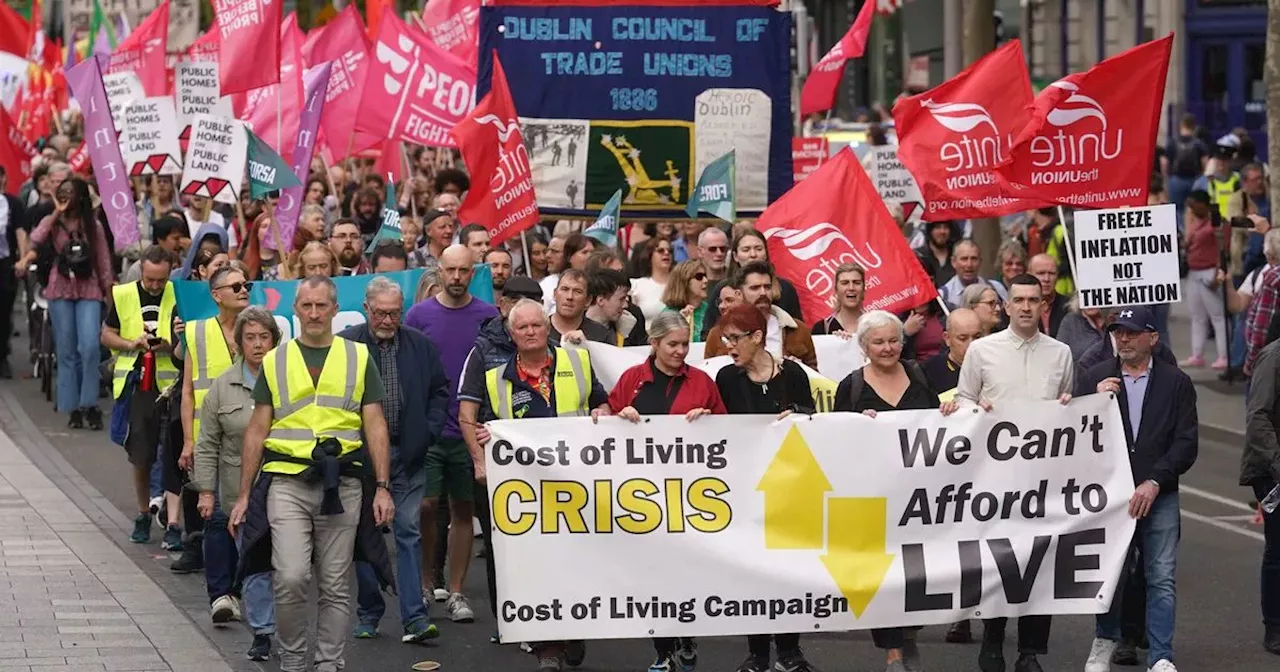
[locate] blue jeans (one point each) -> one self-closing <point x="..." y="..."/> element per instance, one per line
<point x="76" y="329"/>
<point x="1178" y="189"/>
<point x="220" y="555"/>
<point x="257" y="595"/>
<point x="1237" y="341"/>
<point x="157" y="476"/>
<point x="406" y="493"/>
<point x="1158" y="533"/>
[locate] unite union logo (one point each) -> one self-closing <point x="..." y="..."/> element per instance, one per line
<point x="504" y="130"/>
<point x="1074" y="107"/>
<point x="959" y="117"/>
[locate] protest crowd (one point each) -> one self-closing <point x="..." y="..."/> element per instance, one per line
<point x="275" y="456"/>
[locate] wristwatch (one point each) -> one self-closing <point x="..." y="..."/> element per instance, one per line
<point x="384" y="485"/>
<point x="1154" y="482"/>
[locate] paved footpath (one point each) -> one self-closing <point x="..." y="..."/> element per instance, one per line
<point x="70" y="599"/>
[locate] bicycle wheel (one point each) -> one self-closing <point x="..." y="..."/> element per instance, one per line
<point x="46" y="360"/>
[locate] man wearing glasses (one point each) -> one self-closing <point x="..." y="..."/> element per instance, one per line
<point x="713" y="246"/>
<point x="348" y="246"/>
<point x="415" y="403"/>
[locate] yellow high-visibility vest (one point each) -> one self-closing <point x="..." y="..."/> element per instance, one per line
<point x="570" y="385"/>
<point x="210" y="356"/>
<point x="306" y="412"/>
<point x="129" y="307"/>
<point x="1220" y="191"/>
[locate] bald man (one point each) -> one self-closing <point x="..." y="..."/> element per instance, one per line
<point x="451" y="319"/>
<point x="943" y="371"/>
<point x="1056" y="306"/>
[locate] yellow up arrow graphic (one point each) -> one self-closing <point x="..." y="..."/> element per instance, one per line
<point x="794" y="487"/>
<point x="856" y="556"/>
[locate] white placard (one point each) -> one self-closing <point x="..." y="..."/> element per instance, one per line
<point x="741" y="120"/>
<point x="149" y="139"/>
<point x="122" y="89"/>
<point x="743" y="524"/>
<point x="1127" y="256"/>
<point x="196" y="86"/>
<point x="216" y="155"/>
<point x="894" y="182"/>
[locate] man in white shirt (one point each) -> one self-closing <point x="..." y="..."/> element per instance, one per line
<point x="1016" y="364"/>
<point x="967" y="260"/>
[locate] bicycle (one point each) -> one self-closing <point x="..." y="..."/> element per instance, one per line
<point x="40" y="330"/>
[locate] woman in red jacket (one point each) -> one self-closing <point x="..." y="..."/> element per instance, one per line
<point x="665" y="385"/>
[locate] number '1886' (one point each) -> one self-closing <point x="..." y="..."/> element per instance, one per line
<point x="634" y="100"/>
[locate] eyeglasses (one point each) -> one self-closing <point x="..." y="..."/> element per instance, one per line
<point x="382" y="315"/>
<point x="731" y="340"/>
<point x="717" y="248"/>
<point x="345" y="236"/>
<point x="235" y="287"/>
<point x="699" y="276"/>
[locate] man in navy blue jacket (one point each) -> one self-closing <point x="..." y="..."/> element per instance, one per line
<point x="415" y="407"/>
<point x="1158" y="408"/>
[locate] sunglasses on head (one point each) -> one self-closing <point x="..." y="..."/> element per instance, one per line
<point x="235" y="287"/>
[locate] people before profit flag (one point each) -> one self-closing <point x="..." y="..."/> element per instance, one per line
<point x="224" y="412"/>
<point x="851" y="291"/>
<point x="80" y="280"/>
<point x="416" y="404"/>
<point x="348" y="246"/>
<point x="1260" y="473"/>
<point x="943" y="370"/>
<point x="568" y="322"/>
<point x="1045" y="269"/>
<point x="140" y="328"/>
<point x="538" y="381"/>
<point x="665" y="385"/>
<point x="887" y="383"/>
<point x="1019" y="363"/>
<point x="1203" y="240"/>
<point x="983" y="300"/>
<point x="749" y="245"/>
<point x="784" y="336"/>
<point x="317" y="428"/>
<point x="966" y="259"/>
<point x="686" y="293"/>
<point x="1046" y="234"/>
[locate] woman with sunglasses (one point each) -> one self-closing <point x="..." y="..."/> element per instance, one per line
<point x="686" y="293"/>
<point x="759" y="383"/>
<point x="748" y="246"/>
<point x="651" y="273"/>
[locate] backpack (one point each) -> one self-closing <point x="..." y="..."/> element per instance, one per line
<point x="1186" y="158"/>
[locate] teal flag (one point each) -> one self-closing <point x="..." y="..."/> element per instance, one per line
<point x="605" y="229"/>
<point x="715" y="191"/>
<point x="390" y="228"/>
<point x="267" y="170"/>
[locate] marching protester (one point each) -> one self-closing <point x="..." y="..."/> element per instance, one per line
<point x="943" y="370"/>
<point x="1158" y="403"/>
<point x="686" y="293"/>
<point x="316" y="258"/>
<point x="568" y="320"/>
<point x="713" y="250"/>
<point x="388" y="257"/>
<point x="1260" y="472"/>
<point x="416" y="404"/>
<point x="607" y="291"/>
<point x="1083" y="328"/>
<point x="1046" y="235"/>
<point x="983" y="300"/>
<point x="348" y="245"/>
<point x="966" y="259"/>
<point x="439" y="228"/>
<point x="317" y="417"/>
<point x="784" y="336"/>
<point x="499" y="261"/>
<point x="1013" y="262"/>
<point x="225" y="412"/>
<point x="749" y="246"/>
<point x="650" y="274"/>
<point x="850" y="293"/>
<point x="1203" y="239"/>
<point x="939" y="242"/>
<point x="167" y="233"/>
<point x="1045" y="270"/>
<point x="14" y="230"/>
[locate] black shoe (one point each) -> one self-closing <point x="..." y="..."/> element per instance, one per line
<point x="260" y="650"/>
<point x="6" y="371"/>
<point x="192" y="559"/>
<point x="960" y="633"/>
<point x="754" y="664"/>
<point x="76" y="421"/>
<point x="1126" y="654"/>
<point x="1271" y="642"/>
<point x="575" y="651"/>
<point x="94" y="417"/>
<point x="991" y="660"/>
<point x="1144" y="643"/>
<point x="1231" y="375"/>
<point x="792" y="662"/>
<point x="1027" y="663"/>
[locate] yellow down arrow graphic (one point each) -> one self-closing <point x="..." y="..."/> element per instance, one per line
<point x="794" y="488"/>
<point x="856" y="556"/>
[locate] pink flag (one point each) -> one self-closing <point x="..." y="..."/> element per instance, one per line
<point x="315" y="83"/>
<point x="346" y="46"/>
<point x="414" y="90"/>
<point x="819" y="92"/>
<point x="85" y="81"/>
<point x="205" y="48"/>
<point x="272" y="111"/>
<point x="249" y="47"/>
<point x="143" y="52"/>
<point x="452" y="24"/>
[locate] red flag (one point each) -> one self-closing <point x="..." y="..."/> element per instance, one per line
<point x="373" y="10"/>
<point x="819" y="92"/>
<point x="35" y="33"/>
<point x="347" y="47"/>
<point x="415" y="91"/>
<point x="273" y="111"/>
<point x="492" y="144"/>
<point x="1092" y="134"/>
<point x="205" y="48"/>
<point x="143" y="52"/>
<point x="78" y="159"/>
<point x="390" y="161"/>
<point x="14" y="156"/>
<point x="453" y="26"/>
<point x="953" y="136"/>
<point x="249" y="44"/>
<point x="13" y="31"/>
<point x="810" y="234"/>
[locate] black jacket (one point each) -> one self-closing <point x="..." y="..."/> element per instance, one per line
<point x="1261" y="459"/>
<point x="788" y="300"/>
<point x="1168" y="437"/>
<point x="1060" y="308"/>
<point x="424" y="388"/>
<point x="1102" y="352"/>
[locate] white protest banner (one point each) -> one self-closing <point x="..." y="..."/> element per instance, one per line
<point x="894" y="182"/>
<point x="122" y="89"/>
<point x="739" y="120"/>
<point x="149" y="139"/>
<point x="1127" y="256"/>
<point x="743" y="524"/>
<point x="196" y="87"/>
<point x="216" y="155"/>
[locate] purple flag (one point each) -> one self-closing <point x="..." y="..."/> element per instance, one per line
<point x="101" y="45"/>
<point x="85" y="81"/>
<point x="315" y="83"/>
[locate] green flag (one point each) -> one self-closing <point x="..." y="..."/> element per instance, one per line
<point x="605" y="229"/>
<point x="714" y="193"/>
<point x="267" y="171"/>
<point x="98" y="22"/>
<point x="390" y="228"/>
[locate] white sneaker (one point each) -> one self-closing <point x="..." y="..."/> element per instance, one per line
<point x="154" y="505"/>
<point x="225" y="609"/>
<point x="441" y="594"/>
<point x="1162" y="665"/>
<point x="1100" y="655"/>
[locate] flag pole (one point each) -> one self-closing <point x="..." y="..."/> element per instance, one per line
<point x="244" y="226"/>
<point x="275" y="228"/>
<point x="408" y="179"/>
<point x="1066" y="239"/>
<point x="524" y="243"/>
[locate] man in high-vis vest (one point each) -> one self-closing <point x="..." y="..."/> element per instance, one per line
<point x="140" y="330"/>
<point x="537" y="382"/>
<point x="316" y="428"/>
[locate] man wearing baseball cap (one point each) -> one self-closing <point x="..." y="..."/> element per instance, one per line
<point x="1158" y="406"/>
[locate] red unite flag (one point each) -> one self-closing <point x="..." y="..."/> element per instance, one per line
<point x="1092" y="135"/>
<point x="492" y="144"/>
<point x="819" y="92"/>
<point x="143" y="52"/>
<point x="952" y="137"/>
<point x="249" y="43"/>
<point x="14" y="154"/>
<point x="810" y="234"/>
